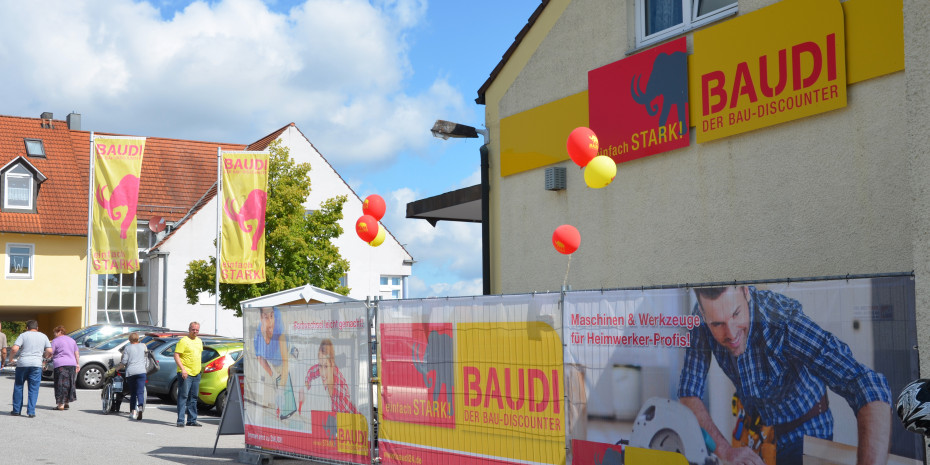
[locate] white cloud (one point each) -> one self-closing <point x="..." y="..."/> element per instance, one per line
<point x="454" y="248"/>
<point x="231" y="70"/>
<point x="419" y="288"/>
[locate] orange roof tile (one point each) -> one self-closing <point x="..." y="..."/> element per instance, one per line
<point x="175" y="176"/>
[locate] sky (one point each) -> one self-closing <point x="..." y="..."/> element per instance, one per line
<point x="364" y="80"/>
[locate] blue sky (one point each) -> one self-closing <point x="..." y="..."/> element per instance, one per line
<point x="364" y="80"/>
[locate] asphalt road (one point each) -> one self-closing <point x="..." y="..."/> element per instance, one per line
<point x="84" y="435"/>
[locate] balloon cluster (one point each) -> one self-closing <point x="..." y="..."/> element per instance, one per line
<point x="599" y="170"/>
<point x="367" y="226"/>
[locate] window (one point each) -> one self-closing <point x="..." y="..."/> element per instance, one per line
<point x="19" y="261"/>
<point x="35" y="148"/>
<point x="658" y="20"/>
<point x="18" y="188"/>
<point x="392" y="287"/>
<point x="124" y="298"/>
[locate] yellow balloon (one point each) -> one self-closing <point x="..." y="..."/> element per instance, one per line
<point x="379" y="238"/>
<point x="600" y="172"/>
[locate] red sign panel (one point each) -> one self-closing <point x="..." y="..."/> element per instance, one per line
<point x="638" y="106"/>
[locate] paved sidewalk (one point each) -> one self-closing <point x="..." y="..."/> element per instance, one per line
<point x="84" y="435"/>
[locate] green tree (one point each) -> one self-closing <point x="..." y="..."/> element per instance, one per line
<point x="298" y="245"/>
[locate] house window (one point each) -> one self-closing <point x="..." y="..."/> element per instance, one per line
<point x="35" y="148"/>
<point x="658" y="20"/>
<point x="18" y="188"/>
<point x="391" y="287"/>
<point x="19" y="260"/>
<point x="124" y="298"/>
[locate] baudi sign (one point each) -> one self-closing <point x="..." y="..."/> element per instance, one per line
<point x="793" y="66"/>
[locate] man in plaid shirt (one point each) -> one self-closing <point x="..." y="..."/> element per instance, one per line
<point x="781" y="363"/>
<point x="332" y="379"/>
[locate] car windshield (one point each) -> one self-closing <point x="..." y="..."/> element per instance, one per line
<point x="112" y="342"/>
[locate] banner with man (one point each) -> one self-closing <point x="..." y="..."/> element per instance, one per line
<point x="245" y="184"/>
<point x="117" y="168"/>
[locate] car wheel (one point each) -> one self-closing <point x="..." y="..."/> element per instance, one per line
<point x="173" y="392"/>
<point x="90" y="377"/>
<point x="220" y="403"/>
<point x="106" y="398"/>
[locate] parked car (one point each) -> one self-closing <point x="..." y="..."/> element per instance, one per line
<point x="215" y="377"/>
<point x="163" y="383"/>
<point x="95" y="361"/>
<point x="90" y="335"/>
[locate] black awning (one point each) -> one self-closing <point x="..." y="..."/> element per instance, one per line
<point x="458" y="205"/>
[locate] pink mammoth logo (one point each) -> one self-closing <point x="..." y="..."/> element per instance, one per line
<point x="125" y="194"/>
<point x="252" y="209"/>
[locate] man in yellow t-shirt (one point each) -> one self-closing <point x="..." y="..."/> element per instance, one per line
<point x="187" y="357"/>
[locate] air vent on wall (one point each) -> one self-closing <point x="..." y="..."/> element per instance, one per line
<point x="555" y="178"/>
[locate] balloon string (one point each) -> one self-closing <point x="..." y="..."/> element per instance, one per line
<point x="567" y="267"/>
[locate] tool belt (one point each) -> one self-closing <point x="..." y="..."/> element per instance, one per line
<point x="750" y="432"/>
<point x="821" y="406"/>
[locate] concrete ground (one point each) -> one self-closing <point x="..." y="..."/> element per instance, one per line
<point x="84" y="435"/>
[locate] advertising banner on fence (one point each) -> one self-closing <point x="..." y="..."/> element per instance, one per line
<point x="766" y="365"/>
<point x="117" y="168"/>
<point x="306" y="383"/>
<point x="245" y="196"/>
<point x="471" y="380"/>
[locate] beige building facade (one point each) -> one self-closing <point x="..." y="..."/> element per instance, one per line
<point x="843" y="192"/>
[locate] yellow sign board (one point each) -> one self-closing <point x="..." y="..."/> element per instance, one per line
<point x="777" y="64"/>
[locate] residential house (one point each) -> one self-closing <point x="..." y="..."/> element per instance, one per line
<point x="43" y="229"/>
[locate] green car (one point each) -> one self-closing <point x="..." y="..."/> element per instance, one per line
<point x="215" y="373"/>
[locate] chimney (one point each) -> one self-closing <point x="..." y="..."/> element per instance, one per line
<point x="74" y="121"/>
<point x="46" y="118"/>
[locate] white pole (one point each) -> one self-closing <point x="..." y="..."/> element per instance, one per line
<point x="90" y="216"/>
<point x="219" y="229"/>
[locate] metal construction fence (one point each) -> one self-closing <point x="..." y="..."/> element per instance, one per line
<point x="592" y="377"/>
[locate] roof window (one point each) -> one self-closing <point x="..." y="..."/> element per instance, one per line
<point x="35" y="148"/>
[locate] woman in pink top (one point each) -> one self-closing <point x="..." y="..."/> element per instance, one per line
<point x="65" y="359"/>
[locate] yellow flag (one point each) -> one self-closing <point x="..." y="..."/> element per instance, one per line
<point x="245" y="184"/>
<point x="117" y="168"/>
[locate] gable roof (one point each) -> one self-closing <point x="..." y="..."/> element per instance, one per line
<point x="61" y="204"/>
<point x="172" y="178"/>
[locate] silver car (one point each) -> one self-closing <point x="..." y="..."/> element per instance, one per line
<point x="95" y="361"/>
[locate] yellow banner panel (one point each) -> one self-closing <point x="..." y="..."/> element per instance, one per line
<point x="508" y="405"/>
<point x="245" y="184"/>
<point x="537" y="137"/>
<point x="874" y="38"/>
<point x="777" y="64"/>
<point x="117" y="167"/>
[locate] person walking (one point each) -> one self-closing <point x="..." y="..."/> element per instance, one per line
<point x="187" y="356"/>
<point x="35" y="346"/>
<point x="2" y="349"/>
<point x="65" y="360"/>
<point x="134" y="358"/>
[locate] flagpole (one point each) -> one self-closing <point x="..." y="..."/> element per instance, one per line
<point x="219" y="240"/>
<point x="90" y="216"/>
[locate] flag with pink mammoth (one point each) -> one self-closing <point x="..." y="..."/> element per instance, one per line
<point x="245" y="184"/>
<point x="117" y="168"/>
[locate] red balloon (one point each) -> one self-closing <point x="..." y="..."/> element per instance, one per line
<point x="367" y="228"/>
<point x="566" y="239"/>
<point x="374" y="206"/>
<point x="582" y="146"/>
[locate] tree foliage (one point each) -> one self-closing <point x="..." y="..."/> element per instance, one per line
<point x="298" y="245"/>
